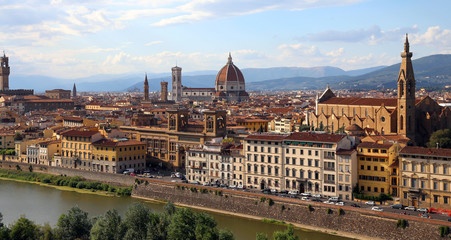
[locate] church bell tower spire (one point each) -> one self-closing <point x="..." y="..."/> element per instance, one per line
<point x="406" y="94"/>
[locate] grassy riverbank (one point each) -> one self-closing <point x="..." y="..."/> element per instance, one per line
<point x="65" y="182"/>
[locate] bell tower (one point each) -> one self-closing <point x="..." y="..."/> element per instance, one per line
<point x="177" y="83"/>
<point x="406" y="95"/>
<point x="146" y="89"/>
<point x="4" y="72"/>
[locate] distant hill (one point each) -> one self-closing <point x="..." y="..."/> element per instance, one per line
<point x="430" y="71"/>
<point x="260" y="75"/>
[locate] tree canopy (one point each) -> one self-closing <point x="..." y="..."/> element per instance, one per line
<point x="440" y="138"/>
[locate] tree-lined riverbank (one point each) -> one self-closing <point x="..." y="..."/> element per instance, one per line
<point x="64" y="181"/>
<point x="43" y="204"/>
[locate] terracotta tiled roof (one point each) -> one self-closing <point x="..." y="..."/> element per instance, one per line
<point x="440" y="152"/>
<point x="375" y="145"/>
<point x="390" y="102"/>
<point x="266" y="137"/>
<point x="345" y="152"/>
<point x="315" y="137"/>
<point x="78" y="133"/>
<point x="229" y="73"/>
<point x="112" y="143"/>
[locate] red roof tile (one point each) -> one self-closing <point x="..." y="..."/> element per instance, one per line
<point x="112" y="143"/>
<point x="315" y="137"/>
<point x="440" y="152"/>
<point x="78" y="133"/>
<point x="266" y="137"/>
<point x="374" y="145"/>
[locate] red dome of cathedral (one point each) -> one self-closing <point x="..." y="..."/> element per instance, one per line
<point x="229" y="73"/>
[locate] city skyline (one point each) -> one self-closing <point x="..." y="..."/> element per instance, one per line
<point x="66" y="40"/>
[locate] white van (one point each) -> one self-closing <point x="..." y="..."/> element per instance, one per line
<point x="293" y="192"/>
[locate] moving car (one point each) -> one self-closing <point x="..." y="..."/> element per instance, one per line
<point x="371" y="203"/>
<point x="306" y="199"/>
<point x="293" y="192"/>
<point x="306" y="194"/>
<point x="355" y="205"/>
<point x="397" y="206"/>
<point x="423" y="210"/>
<point x="378" y="209"/>
<point x="333" y="199"/>
<point x="340" y="203"/>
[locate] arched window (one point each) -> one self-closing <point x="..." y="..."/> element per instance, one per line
<point x="401" y="88"/>
<point x="401" y="123"/>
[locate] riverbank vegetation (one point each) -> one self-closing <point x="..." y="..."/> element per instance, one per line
<point x="73" y="182"/>
<point x="138" y="223"/>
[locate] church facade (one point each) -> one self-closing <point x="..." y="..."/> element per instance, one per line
<point x="406" y="116"/>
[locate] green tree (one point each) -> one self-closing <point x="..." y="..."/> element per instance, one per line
<point x="182" y="225"/>
<point x="24" y="229"/>
<point x="107" y="227"/>
<point x="169" y="208"/>
<point x="46" y="232"/>
<point x="75" y="224"/>
<point x="261" y="236"/>
<point x="135" y="222"/>
<point x="440" y="138"/>
<point x="205" y="227"/>
<point x="287" y="235"/>
<point x="304" y="128"/>
<point x="157" y="226"/>
<point x="226" y="234"/>
<point x="4" y="231"/>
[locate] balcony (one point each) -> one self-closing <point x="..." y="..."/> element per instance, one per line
<point x="329" y="157"/>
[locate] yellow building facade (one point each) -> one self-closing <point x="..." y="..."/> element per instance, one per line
<point x="118" y="155"/>
<point x="378" y="168"/>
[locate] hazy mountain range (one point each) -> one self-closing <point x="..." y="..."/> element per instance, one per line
<point x="430" y="71"/>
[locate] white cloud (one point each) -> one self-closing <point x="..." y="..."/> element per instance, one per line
<point x="433" y="36"/>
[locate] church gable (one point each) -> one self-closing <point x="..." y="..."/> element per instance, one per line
<point x="326" y="95"/>
<point x="427" y="104"/>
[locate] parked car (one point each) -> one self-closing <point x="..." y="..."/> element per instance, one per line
<point x="397" y="206"/>
<point x="206" y="184"/>
<point x="306" y="199"/>
<point x="316" y="195"/>
<point x="411" y="208"/>
<point x="126" y="172"/>
<point x="423" y="210"/>
<point x="333" y="199"/>
<point x="355" y="205"/>
<point x="371" y="203"/>
<point x="132" y="174"/>
<point x="274" y="190"/>
<point x="378" y="209"/>
<point x="316" y="200"/>
<point x="240" y="187"/>
<point x="328" y="202"/>
<point x="232" y="186"/>
<point x="340" y="203"/>
<point x="195" y="182"/>
<point x="306" y="194"/>
<point x="293" y="192"/>
<point x="283" y="192"/>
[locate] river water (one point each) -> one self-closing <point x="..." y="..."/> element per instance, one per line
<point x="44" y="204"/>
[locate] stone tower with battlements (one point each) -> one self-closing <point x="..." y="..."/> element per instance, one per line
<point x="164" y="91"/>
<point x="4" y="72"/>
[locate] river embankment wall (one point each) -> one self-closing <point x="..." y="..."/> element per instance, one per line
<point x="363" y="222"/>
<point x="112" y="179"/>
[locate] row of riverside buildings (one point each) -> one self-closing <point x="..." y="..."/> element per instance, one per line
<point x="332" y="165"/>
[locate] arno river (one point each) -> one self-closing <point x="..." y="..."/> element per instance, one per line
<point x="45" y="204"/>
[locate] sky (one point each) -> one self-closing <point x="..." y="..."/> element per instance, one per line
<point x="73" y="39"/>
